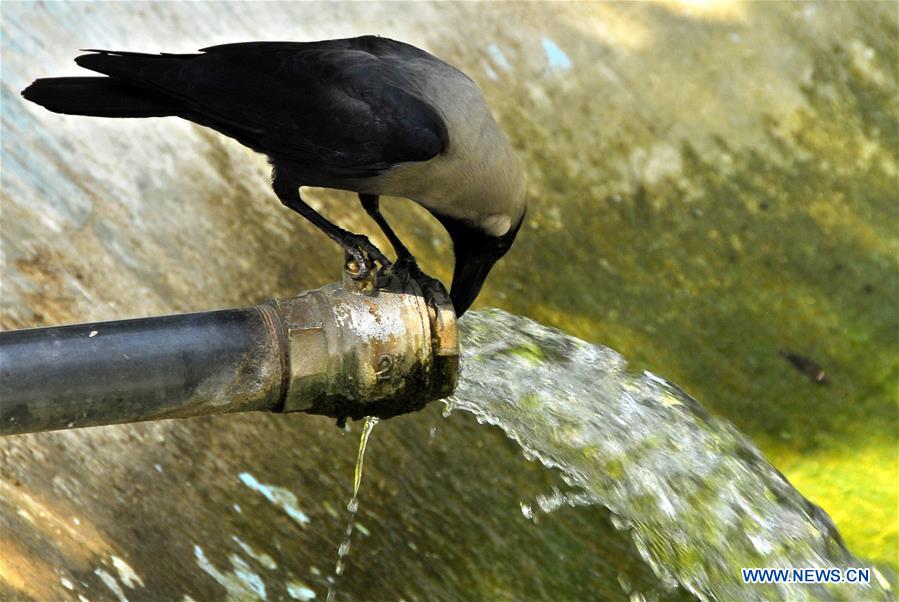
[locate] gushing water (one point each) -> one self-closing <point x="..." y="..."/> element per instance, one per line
<point x="352" y="507"/>
<point x="698" y="499"/>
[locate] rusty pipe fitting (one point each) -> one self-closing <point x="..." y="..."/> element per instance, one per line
<point x="359" y="348"/>
<point x="367" y="348"/>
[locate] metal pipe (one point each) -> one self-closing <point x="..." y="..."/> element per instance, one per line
<point x="346" y="350"/>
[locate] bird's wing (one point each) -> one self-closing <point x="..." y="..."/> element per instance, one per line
<point x="348" y="107"/>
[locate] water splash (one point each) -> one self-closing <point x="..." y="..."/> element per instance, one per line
<point x="698" y="499"/>
<point x="279" y="496"/>
<point x="344" y="549"/>
<point x="240" y="583"/>
<point x="555" y="55"/>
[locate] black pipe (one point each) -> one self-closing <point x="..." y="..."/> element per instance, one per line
<point x="145" y="369"/>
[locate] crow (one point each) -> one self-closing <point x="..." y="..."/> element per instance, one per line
<point x="369" y="114"/>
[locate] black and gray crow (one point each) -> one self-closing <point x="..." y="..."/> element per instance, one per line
<point x="371" y="115"/>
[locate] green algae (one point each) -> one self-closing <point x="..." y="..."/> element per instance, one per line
<point x="530" y="352"/>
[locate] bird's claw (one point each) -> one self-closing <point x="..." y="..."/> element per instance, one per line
<point x="365" y="254"/>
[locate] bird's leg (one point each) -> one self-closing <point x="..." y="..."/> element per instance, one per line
<point x="356" y="245"/>
<point x="371" y="204"/>
<point x="405" y="267"/>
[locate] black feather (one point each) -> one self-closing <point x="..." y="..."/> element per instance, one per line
<point x="98" y="97"/>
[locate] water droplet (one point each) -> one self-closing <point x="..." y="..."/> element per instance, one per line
<point x="527" y="511"/>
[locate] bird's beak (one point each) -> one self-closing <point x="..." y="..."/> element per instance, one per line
<point x="468" y="277"/>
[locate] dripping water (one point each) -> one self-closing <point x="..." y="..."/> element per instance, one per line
<point x="344" y="549"/>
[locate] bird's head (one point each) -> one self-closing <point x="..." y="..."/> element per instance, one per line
<point x="477" y="247"/>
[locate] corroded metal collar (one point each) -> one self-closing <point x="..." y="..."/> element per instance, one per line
<point x="366" y="347"/>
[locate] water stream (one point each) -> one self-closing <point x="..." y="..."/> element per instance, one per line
<point x="344" y="549"/>
<point x="698" y="499"/>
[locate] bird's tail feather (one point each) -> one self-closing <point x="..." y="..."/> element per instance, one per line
<point x="99" y="97"/>
<point x="144" y="70"/>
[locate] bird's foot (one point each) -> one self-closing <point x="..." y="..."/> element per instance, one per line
<point x="364" y="253"/>
<point x="406" y="269"/>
